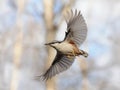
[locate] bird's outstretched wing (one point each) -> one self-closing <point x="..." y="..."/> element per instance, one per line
<point x="76" y="28"/>
<point x="60" y="64"/>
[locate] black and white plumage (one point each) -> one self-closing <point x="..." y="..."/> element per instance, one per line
<point x="69" y="47"/>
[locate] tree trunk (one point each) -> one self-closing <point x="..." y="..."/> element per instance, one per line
<point x="84" y="72"/>
<point x="17" y="47"/>
<point x="50" y="35"/>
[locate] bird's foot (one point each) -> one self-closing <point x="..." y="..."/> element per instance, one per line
<point x="69" y="56"/>
<point x="73" y="53"/>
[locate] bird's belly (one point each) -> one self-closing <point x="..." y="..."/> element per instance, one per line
<point x="66" y="48"/>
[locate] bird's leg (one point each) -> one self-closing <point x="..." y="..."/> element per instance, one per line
<point x="85" y="54"/>
<point x="71" y="54"/>
<point x="68" y="56"/>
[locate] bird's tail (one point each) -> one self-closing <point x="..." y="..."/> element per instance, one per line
<point x="81" y="52"/>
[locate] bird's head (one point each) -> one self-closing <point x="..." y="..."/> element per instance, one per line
<point x="53" y="44"/>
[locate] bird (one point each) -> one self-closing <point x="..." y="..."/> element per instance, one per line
<point x="68" y="48"/>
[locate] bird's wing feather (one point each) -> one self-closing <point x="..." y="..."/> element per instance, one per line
<point x="76" y="28"/>
<point x="60" y="64"/>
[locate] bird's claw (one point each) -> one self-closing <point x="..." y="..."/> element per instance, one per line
<point x="68" y="56"/>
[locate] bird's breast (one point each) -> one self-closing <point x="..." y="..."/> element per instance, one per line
<point x="65" y="47"/>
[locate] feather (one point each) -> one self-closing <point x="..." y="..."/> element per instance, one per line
<point x="60" y="64"/>
<point x="76" y="28"/>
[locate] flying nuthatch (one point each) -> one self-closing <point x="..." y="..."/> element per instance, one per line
<point x="68" y="48"/>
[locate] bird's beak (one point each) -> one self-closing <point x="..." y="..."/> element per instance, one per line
<point x="47" y="44"/>
<point x="50" y="44"/>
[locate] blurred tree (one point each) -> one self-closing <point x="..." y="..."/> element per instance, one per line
<point x="22" y="34"/>
<point x="17" y="46"/>
<point x="51" y="31"/>
<point x="51" y="27"/>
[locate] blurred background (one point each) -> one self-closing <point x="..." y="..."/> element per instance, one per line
<point x="25" y="25"/>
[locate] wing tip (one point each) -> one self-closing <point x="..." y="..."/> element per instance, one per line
<point x="40" y="78"/>
<point x="71" y="14"/>
<point x="43" y="77"/>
